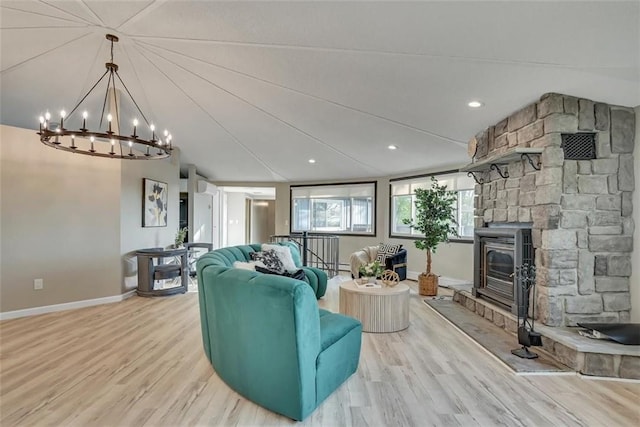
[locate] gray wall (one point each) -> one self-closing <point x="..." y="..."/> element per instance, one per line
<point x="132" y="235"/>
<point x="72" y="221"/>
<point x="60" y="222"/>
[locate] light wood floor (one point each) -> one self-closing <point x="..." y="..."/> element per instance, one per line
<point x="140" y="362"/>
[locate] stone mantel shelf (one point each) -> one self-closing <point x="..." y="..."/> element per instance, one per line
<point x="501" y="159"/>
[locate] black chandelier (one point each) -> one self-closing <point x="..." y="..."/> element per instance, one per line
<point x="107" y="143"/>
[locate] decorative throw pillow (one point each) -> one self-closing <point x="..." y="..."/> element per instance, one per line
<point x="387" y="250"/>
<point x="295" y="274"/>
<point x="248" y="265"/>
<point x="284" y="254"/>
<point x="269" y="259"/>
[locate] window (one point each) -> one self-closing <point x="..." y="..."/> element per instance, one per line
<point x="403" y="203"/>
<point x="335" y="208"/>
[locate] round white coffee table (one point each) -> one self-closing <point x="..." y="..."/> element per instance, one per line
<point x="379" y="309"/>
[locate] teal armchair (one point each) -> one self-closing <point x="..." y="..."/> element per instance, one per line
<point x="266" y="337"/>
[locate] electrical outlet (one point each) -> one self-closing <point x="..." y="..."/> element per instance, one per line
<point x="38" y="284"/>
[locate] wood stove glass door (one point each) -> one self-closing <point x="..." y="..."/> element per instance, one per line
<point x="499" y="269"/>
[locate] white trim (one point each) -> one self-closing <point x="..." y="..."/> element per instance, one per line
<point x="592" y="378"/>
<point x="412" y="275"/>
<point x="64" y="306"/>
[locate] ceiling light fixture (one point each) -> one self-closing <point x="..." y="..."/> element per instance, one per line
<point x="119" y="146"/>
<point x="312" y="160"/>
<point x="392" y="147"/>
<point x="475" y="104"/>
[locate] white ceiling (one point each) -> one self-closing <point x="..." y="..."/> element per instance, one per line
<point x="252" y="90"/>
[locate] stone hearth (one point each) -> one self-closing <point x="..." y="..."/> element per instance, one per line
<point x="584" y="355"/>
<point x="580" y="211"/>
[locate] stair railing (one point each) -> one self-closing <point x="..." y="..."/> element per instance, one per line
<point x="317" y="250"/>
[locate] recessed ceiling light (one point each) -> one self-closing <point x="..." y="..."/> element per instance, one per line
<point x="475" y="104"/>
<point x="392" y="147"/>
<point x="312" y="160"/>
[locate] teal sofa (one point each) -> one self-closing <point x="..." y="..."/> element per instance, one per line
<point x="266" y="337"/>
<point x="227" y="256"/>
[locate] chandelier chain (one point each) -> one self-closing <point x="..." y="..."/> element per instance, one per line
<point x="87" y="94"/>
<point x="132" y="99"/>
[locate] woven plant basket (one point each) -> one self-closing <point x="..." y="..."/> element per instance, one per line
<point x="428" y="284"/>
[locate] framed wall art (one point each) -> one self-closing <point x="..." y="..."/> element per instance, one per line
<point x="154" y="203"/>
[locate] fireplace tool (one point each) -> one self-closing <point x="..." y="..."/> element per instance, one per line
<point x="527" y="336"/>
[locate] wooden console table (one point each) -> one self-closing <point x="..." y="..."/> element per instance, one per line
<point x="152" y="267"/>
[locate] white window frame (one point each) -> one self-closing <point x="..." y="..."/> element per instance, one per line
<point x="346" y="193"/>
<point x="455" y="181"/>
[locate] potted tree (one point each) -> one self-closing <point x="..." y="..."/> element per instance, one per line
<point x="435" y="219"/>
<point x="181" y="234"/>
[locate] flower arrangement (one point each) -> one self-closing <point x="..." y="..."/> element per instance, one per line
<point x="373" y="269"/>
<point x="181" y="234"/>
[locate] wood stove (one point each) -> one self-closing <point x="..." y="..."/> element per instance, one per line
<point x="497" y="252"/>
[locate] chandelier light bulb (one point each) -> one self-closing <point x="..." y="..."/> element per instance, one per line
<point x="41" y="119"/>
<point x="84" y="121"/>
<point x="92" y="139"/>
<point x="135" y="122"/>
<point x="152" y="127"/>
<point x="58" y="129"/>
<point x="47" y="116"/>
<point x="130" y="144"/>
<point x="113" y="142"/>
<point x="166" y="133"/>
<point x="63" y="114"/>
<point x="109" y="117"/>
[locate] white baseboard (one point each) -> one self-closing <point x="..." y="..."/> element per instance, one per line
<point x="64" y="306"/>
<point x="413" y="275"/>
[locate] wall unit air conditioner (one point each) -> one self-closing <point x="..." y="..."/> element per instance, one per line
<point x="207" y="188"/>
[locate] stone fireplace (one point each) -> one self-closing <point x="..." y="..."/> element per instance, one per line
<point x="579" y="208"/>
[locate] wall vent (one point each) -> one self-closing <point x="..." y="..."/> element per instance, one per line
<point x="579" y="146"/>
